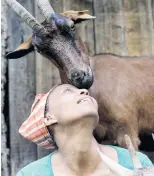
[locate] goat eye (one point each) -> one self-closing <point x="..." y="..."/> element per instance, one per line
<point x="38" y="50"/>
<point x="72" y="27"/>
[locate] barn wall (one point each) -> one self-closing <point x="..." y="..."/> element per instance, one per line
<point x="4" y="129"/>
<point x="122" y="27"/>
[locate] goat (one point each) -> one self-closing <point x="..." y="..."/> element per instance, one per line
<point x="123" y="86"/>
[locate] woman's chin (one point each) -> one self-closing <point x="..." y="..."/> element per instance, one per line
<point x="93" y="113"/>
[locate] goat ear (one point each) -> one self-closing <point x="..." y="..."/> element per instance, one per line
<point x="78" y="16"/>
<point x="23" y="49"/>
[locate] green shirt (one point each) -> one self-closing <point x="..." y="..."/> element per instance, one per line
<point x="43" y="167"/>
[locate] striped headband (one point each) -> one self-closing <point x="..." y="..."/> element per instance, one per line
<point x="34" y="128"/>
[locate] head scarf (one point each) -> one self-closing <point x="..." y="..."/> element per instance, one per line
<point x="34" y="128"/>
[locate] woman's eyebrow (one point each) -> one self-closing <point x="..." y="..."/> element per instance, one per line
<point x="66" y="88"/>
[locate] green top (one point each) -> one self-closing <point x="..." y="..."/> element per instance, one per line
<point x="43" y="167"/>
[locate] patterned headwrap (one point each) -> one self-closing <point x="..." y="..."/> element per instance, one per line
<point x="34" y="128"/>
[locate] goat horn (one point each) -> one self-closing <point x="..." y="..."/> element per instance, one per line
<point x="116" y="169"/>
<point x="46" y="8"/>
<point x="24" y="14"/>
<point x="135" y="159"/>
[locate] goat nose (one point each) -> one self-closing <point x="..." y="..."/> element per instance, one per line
<point x="78" y="76"/>
<point x="84" y="92"/>
<point x="81" y="78"/>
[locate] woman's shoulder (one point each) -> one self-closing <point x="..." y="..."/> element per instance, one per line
<point x="125" y="160"/>
<point x="37" y="168"/>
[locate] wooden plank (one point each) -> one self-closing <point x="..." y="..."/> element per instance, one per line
<point x="124" y="27"/>
<point x="21" y="91"/>
<point x="138" y="27"/>
<point x="146" y="27"/>
<point x="109" y="27"/>
<point x="5" y="169"/>
<point x="152" y="7"/>
<point x="132" y="28"/>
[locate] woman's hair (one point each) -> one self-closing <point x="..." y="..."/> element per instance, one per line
<point x="46" y="108"/>
<point x="47" y="101"/>
<point x="50" y="129"/>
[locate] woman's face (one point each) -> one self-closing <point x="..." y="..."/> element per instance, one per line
<point x="68" y="103"/>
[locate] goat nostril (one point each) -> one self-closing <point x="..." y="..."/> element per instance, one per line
<point x="76" y="74"/>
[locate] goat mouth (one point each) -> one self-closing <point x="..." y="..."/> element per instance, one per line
<point x="71" y="82"/>
<point x="85" y="84"/>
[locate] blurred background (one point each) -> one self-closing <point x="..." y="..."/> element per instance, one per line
<point x="122" y="27"/>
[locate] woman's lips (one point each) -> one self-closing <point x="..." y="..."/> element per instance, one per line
<point x="81" y="100"/>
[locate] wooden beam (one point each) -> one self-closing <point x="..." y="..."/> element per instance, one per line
<point x="5" y="167"/>
<point x="21" y="91"/>
<point x="109" y="27"/>
<point x="124" y="27"/>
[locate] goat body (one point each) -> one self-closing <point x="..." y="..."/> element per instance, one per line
<point x="124" y="90"/>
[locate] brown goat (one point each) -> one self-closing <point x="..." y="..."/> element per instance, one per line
<point x="123" y="86"/>
<point x="124" y="90"/>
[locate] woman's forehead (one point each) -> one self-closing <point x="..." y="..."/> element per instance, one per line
<point x="63" y="86"/>
<point x="60" y="88"/>
<point x="56" y="92"/>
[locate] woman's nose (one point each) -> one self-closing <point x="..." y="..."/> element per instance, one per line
<point x="84" y="92"/>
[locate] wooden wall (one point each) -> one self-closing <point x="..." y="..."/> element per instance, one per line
<point x="4" y="146"/>
<point x="123" y="27"/>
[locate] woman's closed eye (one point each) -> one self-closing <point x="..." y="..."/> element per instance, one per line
<point x="67" y="90"/>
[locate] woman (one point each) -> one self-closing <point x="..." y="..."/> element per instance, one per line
<point x="65" y="118"/>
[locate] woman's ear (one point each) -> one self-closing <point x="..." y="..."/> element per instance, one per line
<point x="50" y="119"/>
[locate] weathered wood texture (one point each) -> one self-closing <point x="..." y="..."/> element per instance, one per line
<point x="21" y="91"/>
<point x="122" y="27"/>
<point x="4" y="129"/>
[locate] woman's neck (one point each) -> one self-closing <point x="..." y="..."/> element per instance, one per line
<point x="78" y="148"/>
